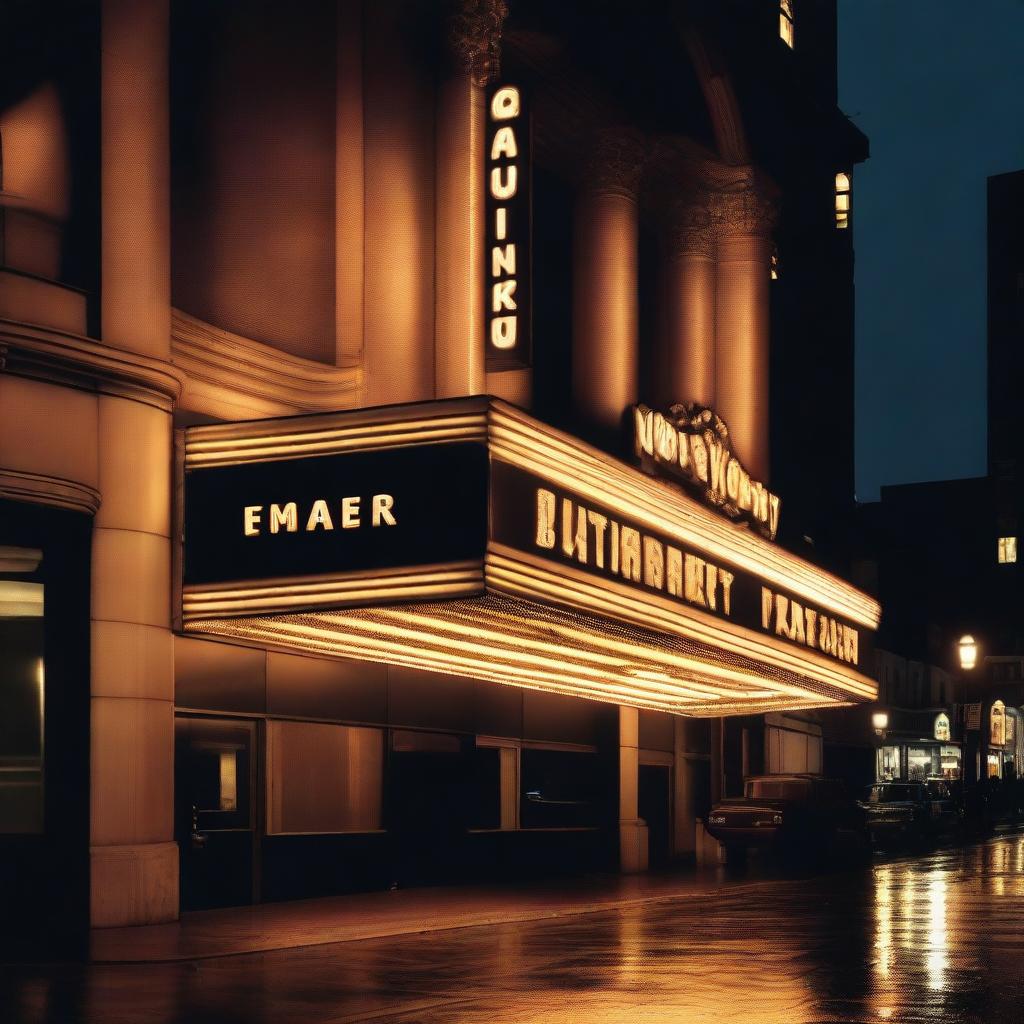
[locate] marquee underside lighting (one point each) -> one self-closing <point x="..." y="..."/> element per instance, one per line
<point x="520" y="643"/>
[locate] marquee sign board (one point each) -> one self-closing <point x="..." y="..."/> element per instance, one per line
<point x="435" y="506"/>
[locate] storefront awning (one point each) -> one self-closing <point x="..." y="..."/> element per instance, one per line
<point x="466" y="537"/>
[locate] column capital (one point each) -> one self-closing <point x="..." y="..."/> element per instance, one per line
<point x="616" y="162"/>
<point x="690" y="225"/>
<point x="747" y="210"/>
<point x="474" y="37"/>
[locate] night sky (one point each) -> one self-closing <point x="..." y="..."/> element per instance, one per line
<point x="938" y="86"/>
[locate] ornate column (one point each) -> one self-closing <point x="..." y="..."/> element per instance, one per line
<point x="474" y="36"/>
<point x="744" y="218"/>
<point x="684" y="359"/>
<point x="134" y="874"/>
<point x="605" y="282"/>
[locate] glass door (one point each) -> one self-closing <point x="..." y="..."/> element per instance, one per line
<point x="215" y="811"/>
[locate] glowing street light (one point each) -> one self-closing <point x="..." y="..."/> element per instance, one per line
<point x="968" y="652"/>
<point x="880" y="721"/>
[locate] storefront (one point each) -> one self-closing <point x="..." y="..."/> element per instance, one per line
<point x="920" y="745"/>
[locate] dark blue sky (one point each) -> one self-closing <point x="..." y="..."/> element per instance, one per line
<point x="938" y="86"/>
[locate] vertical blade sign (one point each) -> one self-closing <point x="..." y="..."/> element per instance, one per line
<point x="508" y="231"/>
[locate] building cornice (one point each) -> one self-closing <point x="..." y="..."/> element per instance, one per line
<point x="231" y="377"/>
<point x="71" y="360"/>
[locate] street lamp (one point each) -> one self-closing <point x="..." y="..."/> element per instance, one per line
<point x="968" y="652"/>
<point x="880" y="721"/>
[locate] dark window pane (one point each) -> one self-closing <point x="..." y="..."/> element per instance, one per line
<point x="561" y="789"/>
<point x="486" y="810"/>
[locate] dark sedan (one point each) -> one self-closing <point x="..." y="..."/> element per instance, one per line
<point x="908" y="812"/>
<point x="801" y="814"/>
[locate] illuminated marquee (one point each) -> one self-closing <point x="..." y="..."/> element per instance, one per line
<point x="466" y="537"/>
<point x="692" y="444"/>
<point x="508" y="230"/>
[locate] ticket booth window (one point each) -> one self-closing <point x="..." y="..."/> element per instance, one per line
<point x="22" y="696"/>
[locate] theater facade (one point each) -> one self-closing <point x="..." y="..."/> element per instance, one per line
<point x="387" y="474"/>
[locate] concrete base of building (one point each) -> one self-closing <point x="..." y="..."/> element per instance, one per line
<point x="134" y="884"/>
<point x="633" y="846"/>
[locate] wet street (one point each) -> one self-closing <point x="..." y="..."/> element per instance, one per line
<point x="937" y="937"/>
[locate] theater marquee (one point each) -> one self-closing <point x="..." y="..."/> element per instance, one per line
<point x="465" y="537"/>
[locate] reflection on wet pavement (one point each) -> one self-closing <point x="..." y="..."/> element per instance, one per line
<point x="932" y="938"/>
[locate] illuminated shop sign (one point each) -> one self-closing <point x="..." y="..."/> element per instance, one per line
<point x="941" y="726"/>
<point x="530" y="514"/>
<point x="508" y="231"/>
<point x="997" y="724"/>
<point x="465" y="536"/>
<point x="692" y="444"/>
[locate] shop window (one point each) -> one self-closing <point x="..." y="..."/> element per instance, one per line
<point x="560" y="789"/>
<point x="888" y="763"/>
<point x="323" y="778"/>
<point x="22" y="692"/>
<point x="920" y="763"/>
<point x="786" y="32"/>
<point x="496" y="785"/>
<point x="1007" y="550"/>
<point x="950" y="762"/>
<point x="842" y="200"/>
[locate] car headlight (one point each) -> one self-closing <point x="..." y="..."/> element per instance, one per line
<point x="777" y="819"/>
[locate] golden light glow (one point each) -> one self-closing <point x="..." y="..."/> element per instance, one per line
<point x="842" y="200"/>
<point x="547" y="648"/>
<point x="880" y="720"/>
<point x="786" y="33"/>
<point x="1007" y="550"/>
<point x="968" y="649"/>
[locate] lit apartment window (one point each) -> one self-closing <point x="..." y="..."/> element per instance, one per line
<point x="842" y="200"/>
<point x="1007" y="550"/>
<point x="786" y="22"/>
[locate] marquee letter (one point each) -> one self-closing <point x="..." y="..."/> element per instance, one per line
<point x="504" y="144"/>
<point x="694" y="572"/>
<point x="767" y="600"/>
<point x="643" y="430"/>
<point x="545" y="519"/>
<point x="288" y="517"/>
<point x="319" y="515"/>
<point x="503" y="259"/>
<point x="382" y="506"/>
<point x="630" y="553"/>
<point x="251" y="520"/>
<point x="505" y="103"/>
<point x="599" y="523"/>
<point x="501" y="296"/>
<point x="504" y="189"/>
<point x="574" y="542"/>
<point x="726" y="578"/>
<point x="674" y="583"/>
<point x="654" y="563"/>
<point x="349" y="513"/>
<point x="504" y="331"/>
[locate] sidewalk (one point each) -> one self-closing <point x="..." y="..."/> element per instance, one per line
<point x="269" y="926"/>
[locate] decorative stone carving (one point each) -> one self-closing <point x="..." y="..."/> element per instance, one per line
<point x="691" y="225"/>
<point x="616" y="162"/>
<point x="743" y="211"/>
<point x="474" y="34"/>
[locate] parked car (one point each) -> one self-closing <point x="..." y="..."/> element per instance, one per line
<point x="911" y="811"/>
<point x="799" y="814"/>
